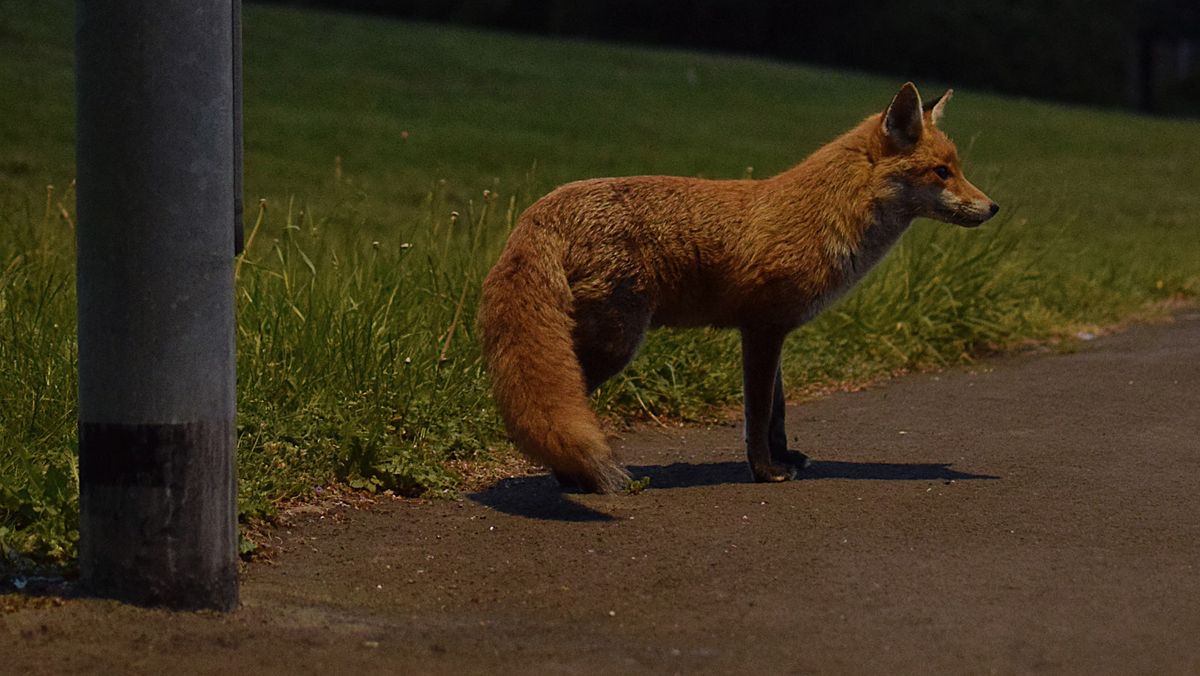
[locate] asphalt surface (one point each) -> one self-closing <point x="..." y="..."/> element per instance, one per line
<point x="1032" y="514"/>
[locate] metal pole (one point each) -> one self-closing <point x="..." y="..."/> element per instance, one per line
<point x="156" y="178"/>
<point x="239" y="236"/>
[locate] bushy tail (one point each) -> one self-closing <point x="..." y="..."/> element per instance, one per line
<point x="537" y="381"/>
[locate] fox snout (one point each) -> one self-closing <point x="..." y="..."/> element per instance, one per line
<point x="961" y="203"/>
<point x="968" y="212"/>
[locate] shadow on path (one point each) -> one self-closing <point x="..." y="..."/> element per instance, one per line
<point x="536" y="497"/>
<point x="889" y="471"/>
<point x="686" y="474"/>
<point x="539" y="497"/>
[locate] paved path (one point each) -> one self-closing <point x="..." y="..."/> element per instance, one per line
<point x="1039" y="514"/>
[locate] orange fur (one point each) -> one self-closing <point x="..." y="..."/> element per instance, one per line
<point x="595" y="264"/>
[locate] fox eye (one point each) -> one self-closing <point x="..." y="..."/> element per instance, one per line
<point x="942" y="171"/>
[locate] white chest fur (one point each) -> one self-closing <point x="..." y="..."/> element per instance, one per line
<point x="876" y="242"/>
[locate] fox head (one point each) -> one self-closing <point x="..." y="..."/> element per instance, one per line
<point x="920" y="163"/>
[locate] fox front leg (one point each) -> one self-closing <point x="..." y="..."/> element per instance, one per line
<point x="760" y="366"/>
<point x="777" y="432"/>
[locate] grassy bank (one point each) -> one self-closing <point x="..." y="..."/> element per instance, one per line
<point x="392" y="158"/>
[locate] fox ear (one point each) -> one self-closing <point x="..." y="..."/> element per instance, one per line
<point x="902" y="121"/>
<point x="936" y="108"/>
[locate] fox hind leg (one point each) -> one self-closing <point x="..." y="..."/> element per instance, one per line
<point x="606" y="339"/>
<point x="607" y="336"/>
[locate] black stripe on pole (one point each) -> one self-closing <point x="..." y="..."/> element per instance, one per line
<point x="144" y="483"/>
<point x="156" y="180"/>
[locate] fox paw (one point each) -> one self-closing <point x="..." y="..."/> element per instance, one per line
<point x="796" y="459"/>
<point x="774" y="472"/>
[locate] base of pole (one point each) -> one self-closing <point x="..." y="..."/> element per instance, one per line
<point x="149" y="495"/>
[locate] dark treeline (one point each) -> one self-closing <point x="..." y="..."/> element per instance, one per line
<point x="1113" y="52"/>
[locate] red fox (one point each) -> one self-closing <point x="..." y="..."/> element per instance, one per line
<point x="592" y="266"/>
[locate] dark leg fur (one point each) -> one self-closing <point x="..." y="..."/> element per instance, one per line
<point x="607" y="336"/>
<point x="777" y="434"/>
<point x="760" y="365"/>
<point x="606" y="339"/>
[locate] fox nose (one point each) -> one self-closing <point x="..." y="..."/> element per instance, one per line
<point x="994" y="208"/>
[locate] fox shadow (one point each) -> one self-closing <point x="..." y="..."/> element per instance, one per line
<point x="539" y="497"/>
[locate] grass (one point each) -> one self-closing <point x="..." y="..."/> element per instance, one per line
<point x="392" y="158"/>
